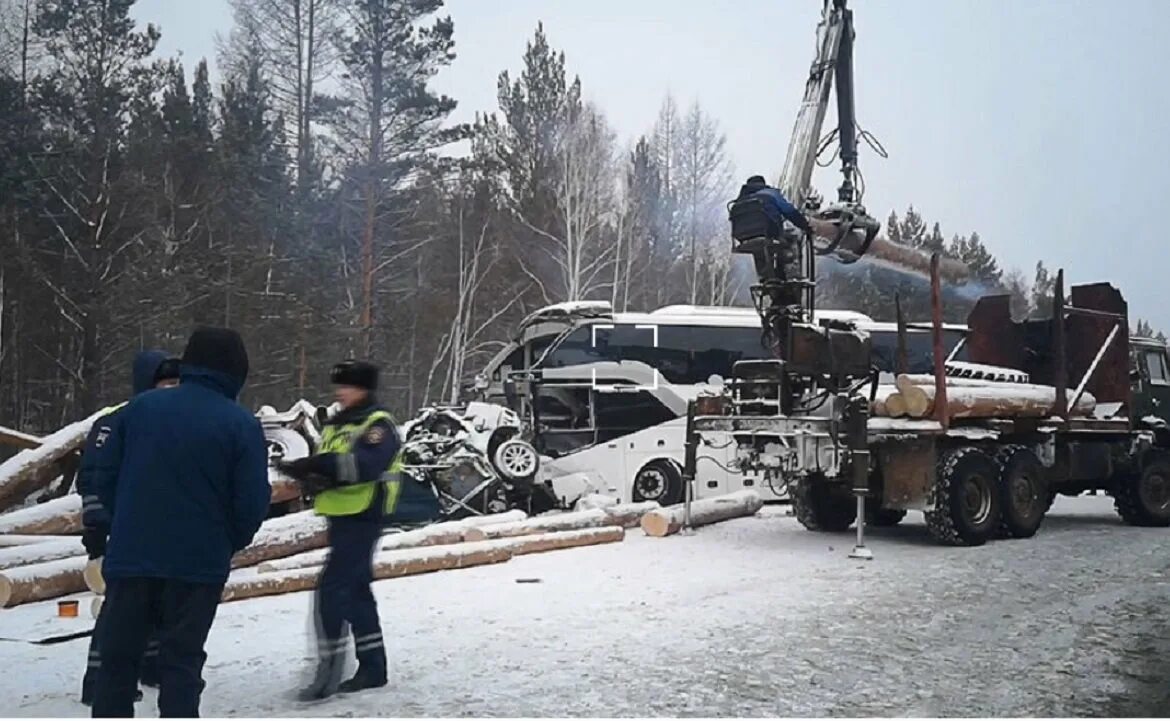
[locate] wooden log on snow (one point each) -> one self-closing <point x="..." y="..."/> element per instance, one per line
<point x="1002" y="400"/>
<point x="60" y="516"/>
<point x="437" y="534"/>
<point x="593" y="518"/>
<point x="31" y="469"/>
<point x="18" y="439"/>
<point x="666" y="521"/>
<point x="629" y="515"/>
<point x="877" y="407"/>
<point x="42" y="581"/>
<point x="391" y="564"/>
<point x="13" y="540"/>
<point x="27" y="555"/>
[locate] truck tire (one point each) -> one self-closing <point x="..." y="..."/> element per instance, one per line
<point x="817" y="509"/>
<point x="883" y="517"/>
<point x="1024" y="494"/>
<point x="964" y="501"/>
<point x="1143" y="498"/>
<point x="658" y="481"/>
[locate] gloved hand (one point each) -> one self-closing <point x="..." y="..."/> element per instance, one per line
<point x="297" y="469"/>
<point x="94" y="540"/>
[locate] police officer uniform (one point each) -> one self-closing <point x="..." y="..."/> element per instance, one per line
<point x="151" y="368"/>
<point x="355" y="476"/>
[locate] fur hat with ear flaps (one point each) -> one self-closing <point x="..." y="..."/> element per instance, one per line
<point x="358" y="374"/>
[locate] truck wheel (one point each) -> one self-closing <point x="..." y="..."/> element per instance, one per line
<point x="964" y="500"/>
<point x="658" y="481"/>
<point x="818" y="509"/>
<point x="1143" y="499"/>
<point x="1024" y="495"/>
<point x="883" y="517"/>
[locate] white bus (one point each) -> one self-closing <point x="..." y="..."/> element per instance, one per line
<point x="605" y="394"/>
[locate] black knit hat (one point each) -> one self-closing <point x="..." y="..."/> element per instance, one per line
<point x="167" y="370"/>
<point x="358" y="374"/>
<point x="218" y="349"/>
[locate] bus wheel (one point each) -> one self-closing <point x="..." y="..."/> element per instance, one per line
<point x="964" y="500"/>
<point x="1143" y="499"/>
<point x="1024" y="496"/>
<point x="658" y="481"/>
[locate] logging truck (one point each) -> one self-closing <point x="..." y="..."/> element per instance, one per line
<point x="1063" y="405"/>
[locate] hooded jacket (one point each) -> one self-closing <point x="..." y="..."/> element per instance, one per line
<point x="93" y="514"/>
<point x="185" y="478"/>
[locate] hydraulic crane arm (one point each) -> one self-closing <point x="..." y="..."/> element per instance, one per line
<point x="834" y="59"/>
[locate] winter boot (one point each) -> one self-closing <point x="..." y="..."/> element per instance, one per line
<point x="363" y="679"/>
<point x="326" y="680"/>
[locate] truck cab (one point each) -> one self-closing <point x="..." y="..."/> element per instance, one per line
<point x="1150" y="379"/>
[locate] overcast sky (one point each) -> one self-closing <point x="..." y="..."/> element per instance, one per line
<point x="1041" y="124"/>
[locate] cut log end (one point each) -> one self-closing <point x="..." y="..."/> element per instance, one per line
<point x="94" y="580"/>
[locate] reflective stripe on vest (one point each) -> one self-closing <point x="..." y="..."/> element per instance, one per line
<point x="111" y="409"/>
<point x="352" y="499"/>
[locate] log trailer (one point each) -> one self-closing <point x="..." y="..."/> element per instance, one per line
<point x="1061" y="405"/>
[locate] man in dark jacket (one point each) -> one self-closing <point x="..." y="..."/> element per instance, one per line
<point x="355" y="477"/>
<point x="151" y="369"/>
<point x="185" y="481"/>
<point x="775" y="204"/>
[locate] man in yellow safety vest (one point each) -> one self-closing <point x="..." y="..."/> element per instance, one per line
<point x="355" y="479"/>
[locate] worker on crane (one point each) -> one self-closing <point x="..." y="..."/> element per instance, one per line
<point x="774" y="203"/>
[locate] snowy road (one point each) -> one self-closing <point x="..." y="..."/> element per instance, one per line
<point x="752" y="617"/>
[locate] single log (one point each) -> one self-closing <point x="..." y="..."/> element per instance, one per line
<point x="60" y="516"/>
<point x="666" y="521"/>
<point x="391" y="564"/>
<point x="883" y="251"/>
<point x="629" y="515"/>
<point x="42" y="581"/>
<point x="590" y="501"/>
<point x="94" y="580"/>
<point x="438" y="534"/>
<point x="1005" y="400"/>
<point x="16" y="556"/>
<point x="541" y="542"/>
<point x="593" y="518"/>
<point x="18" y="439"/>
<point x="877" y="406"/>
<point x="30" y="469"/>
<point x="284" y="536"/>
<point x="918" y="404"/>
<point x="15" y="540"/>
<point x="895" y="405"/>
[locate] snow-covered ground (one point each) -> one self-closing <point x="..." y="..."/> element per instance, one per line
<point x="750" y="617"/>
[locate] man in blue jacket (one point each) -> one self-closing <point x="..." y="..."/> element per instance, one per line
<point x="185" y="481"/>
<point x="776" y="205"/>
<point x="151" y="369"/>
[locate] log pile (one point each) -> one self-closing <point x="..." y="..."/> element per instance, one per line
<point x="913" y="396"/>
<point x="287" y="553"/>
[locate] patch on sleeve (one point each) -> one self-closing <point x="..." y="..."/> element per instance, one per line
<point x="102" y="435"/>
<point x="375" y="435"/>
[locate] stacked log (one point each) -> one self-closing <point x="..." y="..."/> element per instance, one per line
<point x="12" y="540"/>
<point x="414" y="561"/>
<point x="42" y="581"/>
<point x="438" y="534"/>
<point x="669" y="520"/>
<point x="979" y="399"/>
<point x="31" y="469"/>
<point x="27" y="555"/>
<point x="60" y="516"/>
<point x="593" y="518"/>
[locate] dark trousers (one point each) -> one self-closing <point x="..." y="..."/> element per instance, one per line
<point x="181" y="613"/>
<point x="344" y="596"/>
<point x="148" y="673"/>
